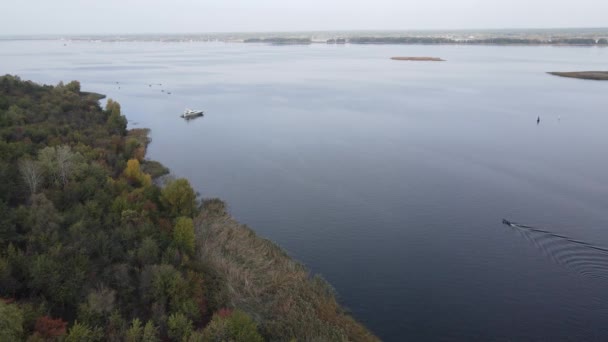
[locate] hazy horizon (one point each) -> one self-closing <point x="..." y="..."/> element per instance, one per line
<point x="72" y="17"/>
<point x="283" y="32"/>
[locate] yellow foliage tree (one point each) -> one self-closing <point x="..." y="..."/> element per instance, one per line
<point x="134" y="174"/>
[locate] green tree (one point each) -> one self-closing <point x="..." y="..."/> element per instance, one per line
<point x="73" y="86"/>
<point x="150" y="333"/>
<point x="237" y="327"/>
<point x="180" y="327"/>
<point x="179" y="198"/>
<point x="159" y="282"/>
<point x="83" y="333"/>
<point x="8" y="232"/>
<point x="196" y="336"/>
<point x="116" y="123"/>
<point x="115" y="328"/>
<point x="183" y="235"/>
<point x="243" y="328"/>
<point x="135" y="332"/>
<point x="15" y="115"/>
<point x="148" y="251"/>
<point x="44" y="222"/>
<point x="11" y="322"/>
<point x="101" y="300"/>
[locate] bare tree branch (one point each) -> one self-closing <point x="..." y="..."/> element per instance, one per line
<point x="31" y="172"/>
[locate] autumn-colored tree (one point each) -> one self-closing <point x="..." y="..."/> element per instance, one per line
<point x="179" y="198"/>
<point x="49" y="328"/>
<point x="197" y="291"/>
<point x="224" y="312"/>
<point x="134" y="174"/>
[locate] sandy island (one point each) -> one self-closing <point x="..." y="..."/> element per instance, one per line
<point x="585" y="75"/>
<point x="418" y="59"/>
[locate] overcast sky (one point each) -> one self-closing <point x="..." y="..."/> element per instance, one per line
<point x="182" y="16"/>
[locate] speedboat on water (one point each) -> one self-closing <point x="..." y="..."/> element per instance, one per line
<point x="191" y="114"/>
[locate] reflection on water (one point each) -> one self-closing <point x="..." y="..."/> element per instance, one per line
<point x="389" y="178"/>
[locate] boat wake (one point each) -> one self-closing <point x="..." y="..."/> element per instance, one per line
<point x="582" y="257"/>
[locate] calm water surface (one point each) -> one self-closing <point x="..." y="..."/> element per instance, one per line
<point x="389" y="178"/>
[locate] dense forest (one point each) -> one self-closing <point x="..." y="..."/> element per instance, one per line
<point x="97" y="243"/>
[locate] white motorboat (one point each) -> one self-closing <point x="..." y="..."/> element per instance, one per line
<point x="191" y="114"/>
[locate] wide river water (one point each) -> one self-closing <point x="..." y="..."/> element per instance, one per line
<point x="389" y="178"/>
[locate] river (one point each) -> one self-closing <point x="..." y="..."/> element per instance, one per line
<point x="389" y="178"/>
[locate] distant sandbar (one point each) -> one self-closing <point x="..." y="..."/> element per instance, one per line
<point x="585" y="75"/>
<point x="418" y="59"/>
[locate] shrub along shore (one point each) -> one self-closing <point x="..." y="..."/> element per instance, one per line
<point x="98" y="243"/>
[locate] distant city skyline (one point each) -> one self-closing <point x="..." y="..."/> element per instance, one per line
<point x="192" y="16"/>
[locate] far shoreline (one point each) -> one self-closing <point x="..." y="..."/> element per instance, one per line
<point x="583" y="75"/>
<point x="419" y="59"/>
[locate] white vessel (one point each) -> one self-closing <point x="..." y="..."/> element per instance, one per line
<point x="190" y="114"/>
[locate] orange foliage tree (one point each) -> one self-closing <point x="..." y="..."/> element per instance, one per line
<point x="49" y="328"/>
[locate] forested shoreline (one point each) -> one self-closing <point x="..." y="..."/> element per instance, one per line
<point x="98" y="243"/>
<point x="365" y="40"/>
